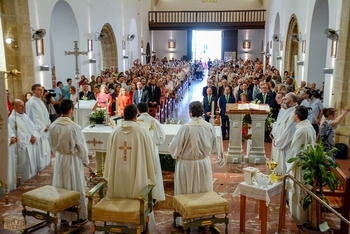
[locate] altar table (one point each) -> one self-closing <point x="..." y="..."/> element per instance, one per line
<point x="97" y="138"/>
<point x="262" y="194"/>
<point x="81" y="115"/>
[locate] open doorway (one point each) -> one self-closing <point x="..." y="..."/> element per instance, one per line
<point x="206" y="44"/>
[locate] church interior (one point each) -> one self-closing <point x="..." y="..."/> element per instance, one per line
<point x="311" y="38"/>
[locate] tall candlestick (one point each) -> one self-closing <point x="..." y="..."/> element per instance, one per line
<point x="116" y="106"/>
<point x="107" y="106"/>
<point x="212" y="108"/>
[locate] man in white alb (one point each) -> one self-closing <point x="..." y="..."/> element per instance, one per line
<point x="129" y="165"/>
<point x="284" y="131"/>
<point x="158" y="135"/>
<point x="27" y="135"/>
<point x="305" y="134"/>
<point x="71" y="155"/>
<point x="37" y="112"/>
<point x="192" y="147"/>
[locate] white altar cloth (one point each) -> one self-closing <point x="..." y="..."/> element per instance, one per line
<point x="97" y="137"/>
<point x="81" y="115"/>
<point x="257" y="192"/>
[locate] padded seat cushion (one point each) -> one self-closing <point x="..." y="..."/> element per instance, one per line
<point x="51" y="199"/>
<point x="200" y="204"/>
<point x="117" y="210"/>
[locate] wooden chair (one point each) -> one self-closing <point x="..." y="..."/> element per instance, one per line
<point x="119" y="210"/>
<point x="199" y="209"/>
<point x="51" y="200"/>
<point x="339" y="199"/>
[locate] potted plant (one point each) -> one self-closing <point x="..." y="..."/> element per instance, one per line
<point x="317" y="166"/>
<point x="98" y="116"/>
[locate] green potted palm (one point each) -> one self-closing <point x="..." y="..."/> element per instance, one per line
<point x="317" y="166"/>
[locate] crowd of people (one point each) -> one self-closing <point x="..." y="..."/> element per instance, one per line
<point x="42" y="123"/>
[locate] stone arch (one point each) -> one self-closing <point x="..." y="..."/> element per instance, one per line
<point x="292" y="47"/>
<point x="109" y="47"/>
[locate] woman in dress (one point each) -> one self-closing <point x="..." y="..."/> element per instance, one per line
<point x="123" y="100"/>
<point x="329" y="123"/>
<point x="104" y="97"/>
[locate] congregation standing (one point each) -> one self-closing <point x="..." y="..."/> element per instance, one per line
<point x="44" y="122"/>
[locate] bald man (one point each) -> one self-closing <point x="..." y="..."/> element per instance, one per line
<point x="27" y="140"/>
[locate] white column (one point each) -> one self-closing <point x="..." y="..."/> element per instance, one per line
<point x="257" y="150"/>
<point x="235" y="150"/>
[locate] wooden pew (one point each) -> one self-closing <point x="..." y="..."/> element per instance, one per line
<point x="340" y="199"/>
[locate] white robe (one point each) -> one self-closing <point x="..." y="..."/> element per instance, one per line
<point x="12" y="163"/>
<point x="158" y="135"/>
<point x="304" y="134"/>
<point x="37" y="112"/>
<point x="69" y="145"/>
<point x="192" y="147"/>
<point x="274" y="132"/>
<point x="284" y="136"/>
<point x="129" y="165"/>
<point x="26" y="150"/>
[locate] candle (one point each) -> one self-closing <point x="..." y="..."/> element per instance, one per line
<point x="212" y="108"/>
<point x="116" y="106"/>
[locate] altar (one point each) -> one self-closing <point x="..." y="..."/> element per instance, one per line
<point x="97" y="138"/>
<point x="81" y="114"/>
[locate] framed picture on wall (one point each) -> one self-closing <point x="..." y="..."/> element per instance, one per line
<point x="334" y="48"/>
<point x="39" y="47"/>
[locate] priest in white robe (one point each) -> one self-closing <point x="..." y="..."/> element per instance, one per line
<point x="305" y="134"/>
<point x="69" y="145"/>
<point x="129" y="165"/>
<point x="158" y="135"/>
<point x="37" y="112"/>
<point x="191" y="147"/>
<point x="285" y="132"/>
<point x="27" y="135"/>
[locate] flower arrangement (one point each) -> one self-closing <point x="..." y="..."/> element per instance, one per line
<point x="98" y="116"/>
<point x="85" y="98"/>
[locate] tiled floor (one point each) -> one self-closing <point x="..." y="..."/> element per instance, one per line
<point x="226" y="180"/>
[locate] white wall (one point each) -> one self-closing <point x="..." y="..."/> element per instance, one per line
<point x="255" y="36"/>
<point x="304" y="11"/>
<point x="90" y="17"/>
<point x="160" y="43"/>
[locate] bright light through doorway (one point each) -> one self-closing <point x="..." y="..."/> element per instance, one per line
<point x="206" y="44"/>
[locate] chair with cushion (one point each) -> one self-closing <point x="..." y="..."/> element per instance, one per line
<point x="52" y="200"/>
<point x="199" y="210"/>
<point x="121" y="211"/>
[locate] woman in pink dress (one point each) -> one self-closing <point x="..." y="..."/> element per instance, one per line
<point x="103" y="97"/>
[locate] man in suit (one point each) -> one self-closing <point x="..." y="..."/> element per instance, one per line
<point x="207" y="104"/>
<point x="154" y="91"/>
<point x="86" y="94"/>
<point x="225" y="123"/>
<point x="255" y="89"/>
<point x="224" y="83"/>
<point x="246" y="91"/>
<point x="140" y="95"/>
<point x="210" y="83"/>
<point x="266" y="96"/>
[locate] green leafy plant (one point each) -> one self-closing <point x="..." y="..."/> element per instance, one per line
<point x="268" y="121"/>
<point x="317" y="166"/>
<point x="98" y="116"/>
<point x="247" y="119"/>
